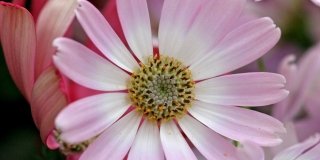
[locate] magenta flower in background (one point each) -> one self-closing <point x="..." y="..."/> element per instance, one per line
<point x="148" y="95"/>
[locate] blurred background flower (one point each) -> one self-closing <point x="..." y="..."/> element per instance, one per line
<point x="19" y="138"/>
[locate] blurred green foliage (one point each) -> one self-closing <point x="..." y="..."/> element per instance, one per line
<point x="297" y="29"/>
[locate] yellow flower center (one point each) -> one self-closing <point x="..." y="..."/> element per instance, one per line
<point x="162" y="89"/>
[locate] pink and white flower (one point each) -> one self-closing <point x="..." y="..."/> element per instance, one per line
<point x="149" y="98"/>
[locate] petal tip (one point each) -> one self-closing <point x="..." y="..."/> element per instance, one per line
<point x="52" y="142"/>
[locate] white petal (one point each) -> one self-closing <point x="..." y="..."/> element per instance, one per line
<point x="312" y="154"/>
<point x="174" y="145"/>
<point x="176" y="16"/>
<point x="288" y="69"/>
<point x="290" y="138"/>
<point x="209" y="25"/>
<point x="54" y="19"/>
<point x="115" y="142"/>
<point x="245" y="89"/>
<point x="87" y="68"/>
<point x="135" y="22"/>
<point x="238" y="123"/>
<point x="250" y="151"/>
<point x="188" y="28"/>
<point x="103" y="36"/>
<point x="88" y="117"/>
<point x="240" y="47"/>
<point x="210" y="144"/>
<point x="147" y="144"/>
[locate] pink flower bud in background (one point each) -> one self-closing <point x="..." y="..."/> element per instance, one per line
<point x="28" y="52"/>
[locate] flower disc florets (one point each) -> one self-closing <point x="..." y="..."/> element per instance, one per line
<point x="162" y="88"/>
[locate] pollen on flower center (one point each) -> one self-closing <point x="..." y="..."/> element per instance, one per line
<point x="162" y="88"/>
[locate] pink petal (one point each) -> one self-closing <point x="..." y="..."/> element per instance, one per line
<point x="308" y="73"/>
<point x="209" y="143"/>
<point x="18" y="41"/>
<point x="103" y="36"/>
<point x="289" y="138"/>
<point x="147" y="143"/>
<point x="245" y="89"/>
<point x="243" y="45"/>
<point x="83" y="66"/>
<point x="115" y="142"/>
<point x="52" y="142"/>
<point x="176" y="16"/>
<point x="88" y="117"/>
<point x="47" y="101"/>
<point x="53" y="22"/>
<point x="174" y="145"/>
<point x="312" y="154"/>
<point x="292" y="153"/>
<point x="289" y="69"/>
<point x="250" y="151"/>
<point x="316" y="2"/>
<point x="208" y="26"/>
<point x="135" y="21"/>
<point x="238" y="123"/>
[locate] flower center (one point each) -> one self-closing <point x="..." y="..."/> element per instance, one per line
<point x="70" y="149"/>
<point x="162" y="88"/>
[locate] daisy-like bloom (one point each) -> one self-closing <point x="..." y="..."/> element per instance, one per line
<point x="155" y="92"/>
